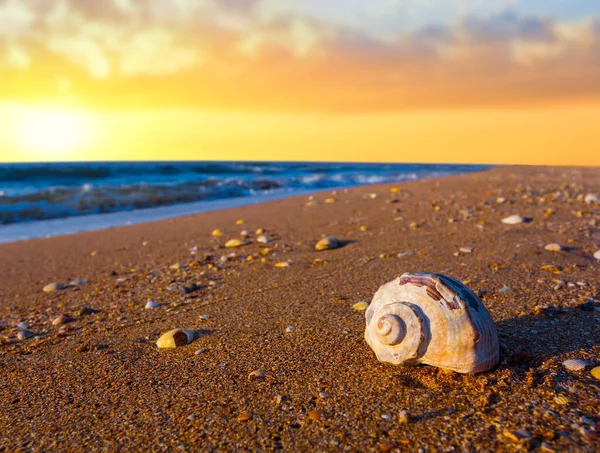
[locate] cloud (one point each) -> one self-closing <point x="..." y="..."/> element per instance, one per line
<point x="310" y="54"/>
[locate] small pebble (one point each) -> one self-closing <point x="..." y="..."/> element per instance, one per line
<point x="62" y="319"/>
<point x="363" y="228"/>
<point x="191" y="417"/>
<point x="239" y="222"/>
<point x="554" y="247"/>
<point x="403" y="254"/>
<point x="24" y="334"/>
<point x="314" y="415"/>
<point x="200" y="351"/>
<point x="203" y="317"/>
<point x="323" y="395"/>
<point x="466" y="249"/>
<point x="517" y="436"/>
<point x="327" y="243"/>
<point x="386" y="416"/>
<point x="245" y="234"/>
<point x="282" y="264"/>
<point x="235" y="243"/>
<point x="262" y="239"/>
<point x="360" y="306"/>
<point x="217" y="233"/>
<point x="243" y="417"/>
<point x="257" y="374"/>
<point x="151" y="304"/>
<point x="505" y="289"/>
<point x="596" y="372"/>
<point x="260" y="231"/>
<point x="591" y="198"/>
<point x="514" y="219"/>
<point x="52" y="287"/>
<point x="597" y="255"/>
<point x="23" y="325"/>
<point x="403" y="417"/>
<point x="500" y="200"/>
<point x="289" y="329"/>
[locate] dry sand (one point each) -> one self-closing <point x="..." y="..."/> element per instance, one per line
<point x="101" y="384"/>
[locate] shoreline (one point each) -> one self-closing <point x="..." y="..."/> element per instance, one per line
<point x="99" y="382"/>
<point x="23" y="231"/>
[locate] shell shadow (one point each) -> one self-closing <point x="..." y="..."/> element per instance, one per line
<point x="528" y="341"/>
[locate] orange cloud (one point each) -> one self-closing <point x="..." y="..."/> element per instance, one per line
<point x="251" y="54"/>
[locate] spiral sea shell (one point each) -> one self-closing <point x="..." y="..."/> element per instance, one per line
<point x="432" y="319"/>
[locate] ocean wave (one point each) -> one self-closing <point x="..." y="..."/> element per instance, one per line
<point x="51" y="191"/>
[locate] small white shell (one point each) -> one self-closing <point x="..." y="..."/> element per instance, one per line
<point x="174" y="338"/>
<point x="575" y="364"/>
<point x="24" y="334"/>
<point x="553" y="247"/>
<point x="262" y="239"/>
<point x="597" y="255"/>
<point x="513" y="219"/>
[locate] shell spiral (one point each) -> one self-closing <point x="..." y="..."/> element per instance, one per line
<point x="432" y="319"/>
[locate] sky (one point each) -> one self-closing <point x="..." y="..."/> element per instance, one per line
<point x="475" y="81"/>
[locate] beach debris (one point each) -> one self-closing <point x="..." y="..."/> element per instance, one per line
<point x="175" y="338"/>
<point x="553" y="247"/>
<point x="262" y="239"/>
<point x="505" y="289"/>
<point x="236" y="243"/>
<point x="314" y="415"/>
<point x="459" y="330"/>
<point x="216" y="233"/>
<point x="514" y="219"/>
<point x="24" y="334"/>
<point x="289" y="329"/>
<point x="403" y="254"/>
<point x="151" y="304"/>
<point x="62" y="319"/>
<point x="243" y="417"/>
<point x="466" y="249"/>
<point x="597" y="255"/>
<point x="519" y="435"/>
<point x="53" y="287"/>
<point x="596" y="372"/>
<point x="575" y="364"/>
<point x="327" y="243"/>
<point x="360" y="306"/>
<point x="245" y="233"/>
<point x="257" y="374"/>
<point x="591" y="198"/>
<point x="77" y="283"/>
<point x="200" y="351"/>
<point x="403" y="417"/>
<point x="23" y="325"/>
<point x="282" y="264"/>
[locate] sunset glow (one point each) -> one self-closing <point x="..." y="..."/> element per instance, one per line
<point x="264" y="79"/>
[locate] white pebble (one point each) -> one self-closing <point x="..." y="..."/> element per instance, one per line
<point x="151" y="304"/>
<point x="597" y="255"/>
<point x="513" y="219"/>
<point x="554" y="247"/>
<point x="289" y="329"/>
<point x="591" y="198"/>
<point x="23" y="325"/>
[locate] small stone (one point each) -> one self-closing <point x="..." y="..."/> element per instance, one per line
<point x="553" y="247"/>
<point x="514" y="219"/>
<point x="546" y="447"/>
<point x="52" y="287"/>
<point x="151" y="304"/>
<point x="235" y="243"/>
<point x="466" y="249"/>
<point x="318" y="262"/>
<point x="217" y="233"/>
<point x="596" y="372"/>
<point x="597" y="255"/>
<point x="387" y="445"/>
<point x="413" y="225"/>
<point x="403" y="417"/>
<point x="77" y="283"/>
<point x="386" y="416"/>
<point x="191" y="417"/>
<point x="500" y="200"/>
<point x="175" y="266"/>
<point x="551" y="268"/>
<point x="62" y="319"/>
<point x="363" y="228"/>
<point x="260" y="231"/>
<point x="262" y="239"/>
<point x="257" y="374"/>
<point x="403" y="254"/>
<point x="314" y="415"/>
<point x="591" y="198"/>
<point x="23" y="325"/>
<point x="282" y="264"/>
<point x="24" y="334"/>
<point x="517" y="436"/>
<point x="243" y="417"/>
<point x="327" y="243"/>
<point x="505" y="289"/>
<point x="360" y="306"/>
<point x="395" y="189"/>
<point x="323" y="395"/>
<point x="245" y="233"/>
<point x="239" y="222"/>
<point x="199" y="351"/>
<point x="289" y="329"/>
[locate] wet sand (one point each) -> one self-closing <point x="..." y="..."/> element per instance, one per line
<point x="101" y="384"/>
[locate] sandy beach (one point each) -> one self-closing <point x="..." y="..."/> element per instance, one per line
<point x="99" y="383"/>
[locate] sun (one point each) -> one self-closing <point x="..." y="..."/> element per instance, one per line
<point x="52" y="133"/>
